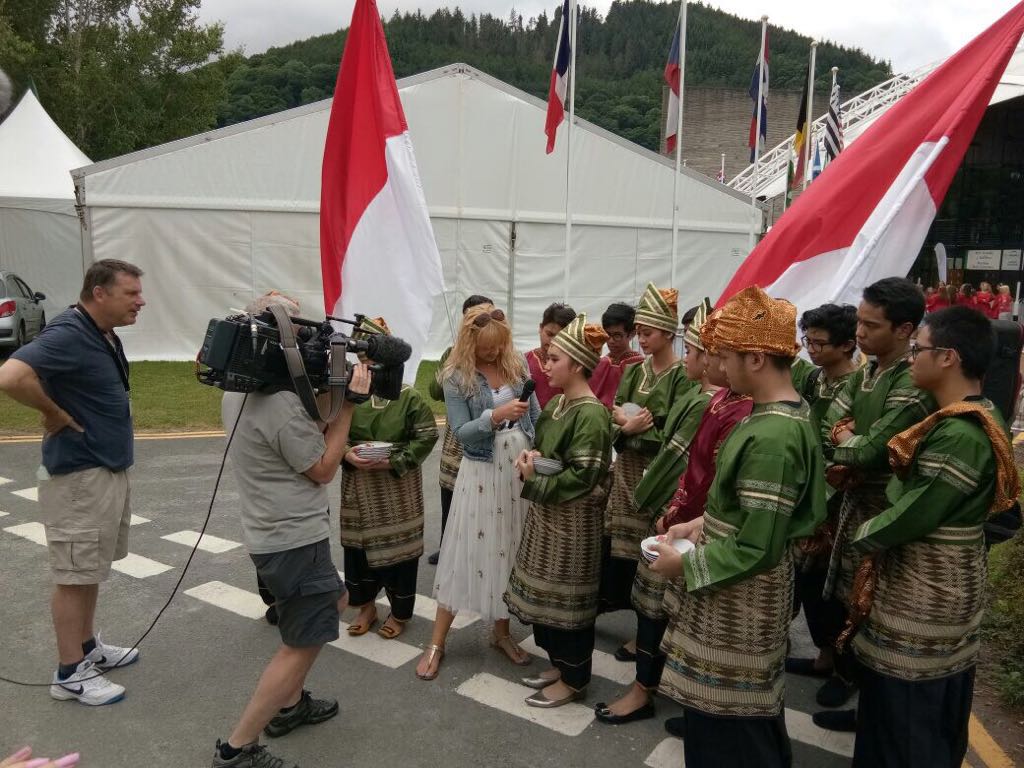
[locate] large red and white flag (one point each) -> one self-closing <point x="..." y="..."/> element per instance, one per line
<point x="869" y="212"/>
<point x="377" y="249"/>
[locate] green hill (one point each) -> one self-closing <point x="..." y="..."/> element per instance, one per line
<point x="619" y="62"/>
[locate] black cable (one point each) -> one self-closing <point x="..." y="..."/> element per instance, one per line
<point x="184" y="570"/>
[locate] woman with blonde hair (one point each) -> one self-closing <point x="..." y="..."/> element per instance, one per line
<point x="483" y="380"/>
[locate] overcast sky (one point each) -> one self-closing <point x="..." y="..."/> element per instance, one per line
<point x="909" y="33"/>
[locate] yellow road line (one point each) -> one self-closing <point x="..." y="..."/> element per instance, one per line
<point x="986" y="748"/>
<point x="18" y="439"/>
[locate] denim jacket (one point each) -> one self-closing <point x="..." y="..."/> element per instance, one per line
<point x="470" y="417"/>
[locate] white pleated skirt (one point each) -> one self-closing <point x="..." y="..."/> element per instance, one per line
<point x="484" y="528"/>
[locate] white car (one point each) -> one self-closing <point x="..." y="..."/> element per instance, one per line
<point x="21" y="316"/>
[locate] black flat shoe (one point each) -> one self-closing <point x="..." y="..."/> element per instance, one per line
<point x="834" y="693"/>
<point x="434" y="558"/>
<point x="806" y="668"/>
<point x="624" y="654"/>
<point x="845" y="720"/>
<point x="602" y="713"/>
<point x="674" y="726"/>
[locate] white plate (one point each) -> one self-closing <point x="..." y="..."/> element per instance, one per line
<point x="650" y="554"/>
<point x="631" y="409"/>
<point x="546" y="466"/>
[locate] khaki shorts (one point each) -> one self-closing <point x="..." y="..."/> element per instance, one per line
<point x="87" y="515"/>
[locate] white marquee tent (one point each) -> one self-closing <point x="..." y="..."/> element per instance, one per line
<point x="215" y="218"/>
<point x="40" y="236"/>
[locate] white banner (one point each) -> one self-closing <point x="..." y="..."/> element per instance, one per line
<point x="1011" y="260"/>
<point x="940" y="261"/>
<point x="983" y="259"/>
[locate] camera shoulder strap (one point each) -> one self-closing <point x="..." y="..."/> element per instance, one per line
<point x="297" y="370"/>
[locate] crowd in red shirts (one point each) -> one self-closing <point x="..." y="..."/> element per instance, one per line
<point x="993" y="304"/>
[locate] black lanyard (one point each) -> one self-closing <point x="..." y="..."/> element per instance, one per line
<point x="115" y="349"/>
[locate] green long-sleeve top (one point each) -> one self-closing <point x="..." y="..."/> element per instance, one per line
<point x="407" y="422"/>
<point x="882" y="404"/>
<point x="436" y="388"/>
<point x="822" y="396"/>
<point x="655" y="392"/>
<point x="950" y="484"/>
<point x="578" y="433"/>
<point x="769" y="489"/>
<point x="661" y="479"/>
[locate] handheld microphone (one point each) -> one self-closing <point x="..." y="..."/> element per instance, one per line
<point x="528" y="388"/>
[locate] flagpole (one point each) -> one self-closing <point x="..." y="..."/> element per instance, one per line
<point x="809" y="120"/>
<point x="757" y="130"/>
<point x="568" y="150"/>
<point x="679" y="137"/>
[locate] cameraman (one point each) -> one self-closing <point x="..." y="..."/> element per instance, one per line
<point x="75" y="374"/>
<point x="282" y="464"/>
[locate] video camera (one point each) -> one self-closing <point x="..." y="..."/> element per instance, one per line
<point x="270" y="350"/>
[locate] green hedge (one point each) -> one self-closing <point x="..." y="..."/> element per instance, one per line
<point x="1004" y="624"/>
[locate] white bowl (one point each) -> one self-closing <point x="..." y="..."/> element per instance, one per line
<point x="650" y="554"/>
<point x="631" y="409"/>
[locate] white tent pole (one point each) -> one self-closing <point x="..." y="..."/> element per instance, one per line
<point x="679" y="138"/>
<point x="757" y="132"/>
<point x="568" y="148"/>
<point x="810" y="111"/>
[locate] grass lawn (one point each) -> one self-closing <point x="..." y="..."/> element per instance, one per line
<point x="167" y="397"/>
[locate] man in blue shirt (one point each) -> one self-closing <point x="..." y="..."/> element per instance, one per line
<point x="76" y="375"/>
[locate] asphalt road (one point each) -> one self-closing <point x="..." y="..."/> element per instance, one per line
<point x="199" y="666"/>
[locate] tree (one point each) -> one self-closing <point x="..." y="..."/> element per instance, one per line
<point x="120" y="75"/>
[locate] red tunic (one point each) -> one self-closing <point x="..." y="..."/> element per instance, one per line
<point x="935" y="302"/>
<point x="535" y="359"/>
<point x="724" y="412"/>
<point x="983" y="303"/>
<point x="1004" y="303"/>
<point x="604" y="381"/>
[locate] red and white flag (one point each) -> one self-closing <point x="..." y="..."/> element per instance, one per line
<point x="377" y="249"/>
<point x="869" y="212"/>
<point x="558" y="90"/>
<point x="673" y="78"/>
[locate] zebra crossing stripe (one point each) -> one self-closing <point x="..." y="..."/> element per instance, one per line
<point x="229" y="598"/>
<point x="138" y="520"/>
<point x="510" y="698"/>
<point x="207" y="543"/>
<point x="5" y="480"/>
<point x="668" y="754"/>
<point x="32" y="494"/>
<point x="34" y="532"/>
<point x="389" y="653"/>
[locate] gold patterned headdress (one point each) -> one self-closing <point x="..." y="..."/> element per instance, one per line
<point x="707" y="332"/>
<point x="752" y="321"/>
<point x="370" y="326"/>
<point x="692" y="334"/>
<point x="657" y="308"/>
<point x="582" y="341"/>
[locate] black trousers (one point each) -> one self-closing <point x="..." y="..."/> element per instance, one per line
<point x="825" y="617"/>
<point x="616" y="586"/>
<point x="650" y="661"/>
<point x="903" y="724"/>
<point x="365" y="583"/>
<point x="571" y="652"/>
<point x="446" y="506"/>
<point x="712" y="741"/>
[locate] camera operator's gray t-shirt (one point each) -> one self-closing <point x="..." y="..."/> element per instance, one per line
<point x="276" y="442"/>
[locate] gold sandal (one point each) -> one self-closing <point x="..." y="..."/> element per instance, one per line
<point x="433" y="651"/>
<point x="389" y="632"/>
<point x="357" y="629"/>
<point x="506" y="645"/>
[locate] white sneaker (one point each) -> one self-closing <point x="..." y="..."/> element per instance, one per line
<point x="106" y="657"/>
<point x="88" y="686"/>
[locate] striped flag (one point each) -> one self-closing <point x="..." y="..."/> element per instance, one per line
<point x="673" y="71"/>
<point x="868" y="215"/>
<point x="757" y="137"/>
<point x="378" y="255"/>
<point x="801" y="138"/>
<point x="834" y="124"/>
<point x="559" y="88"/>
<point x="816" y="167"/>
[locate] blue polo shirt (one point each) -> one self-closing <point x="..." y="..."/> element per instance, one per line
<point x="86" y="375"/>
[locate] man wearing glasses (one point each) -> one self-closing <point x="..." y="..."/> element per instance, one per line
<point x="877" y="403"/>
<point x="919" y="644"/>
<point x="830" y="338"/>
